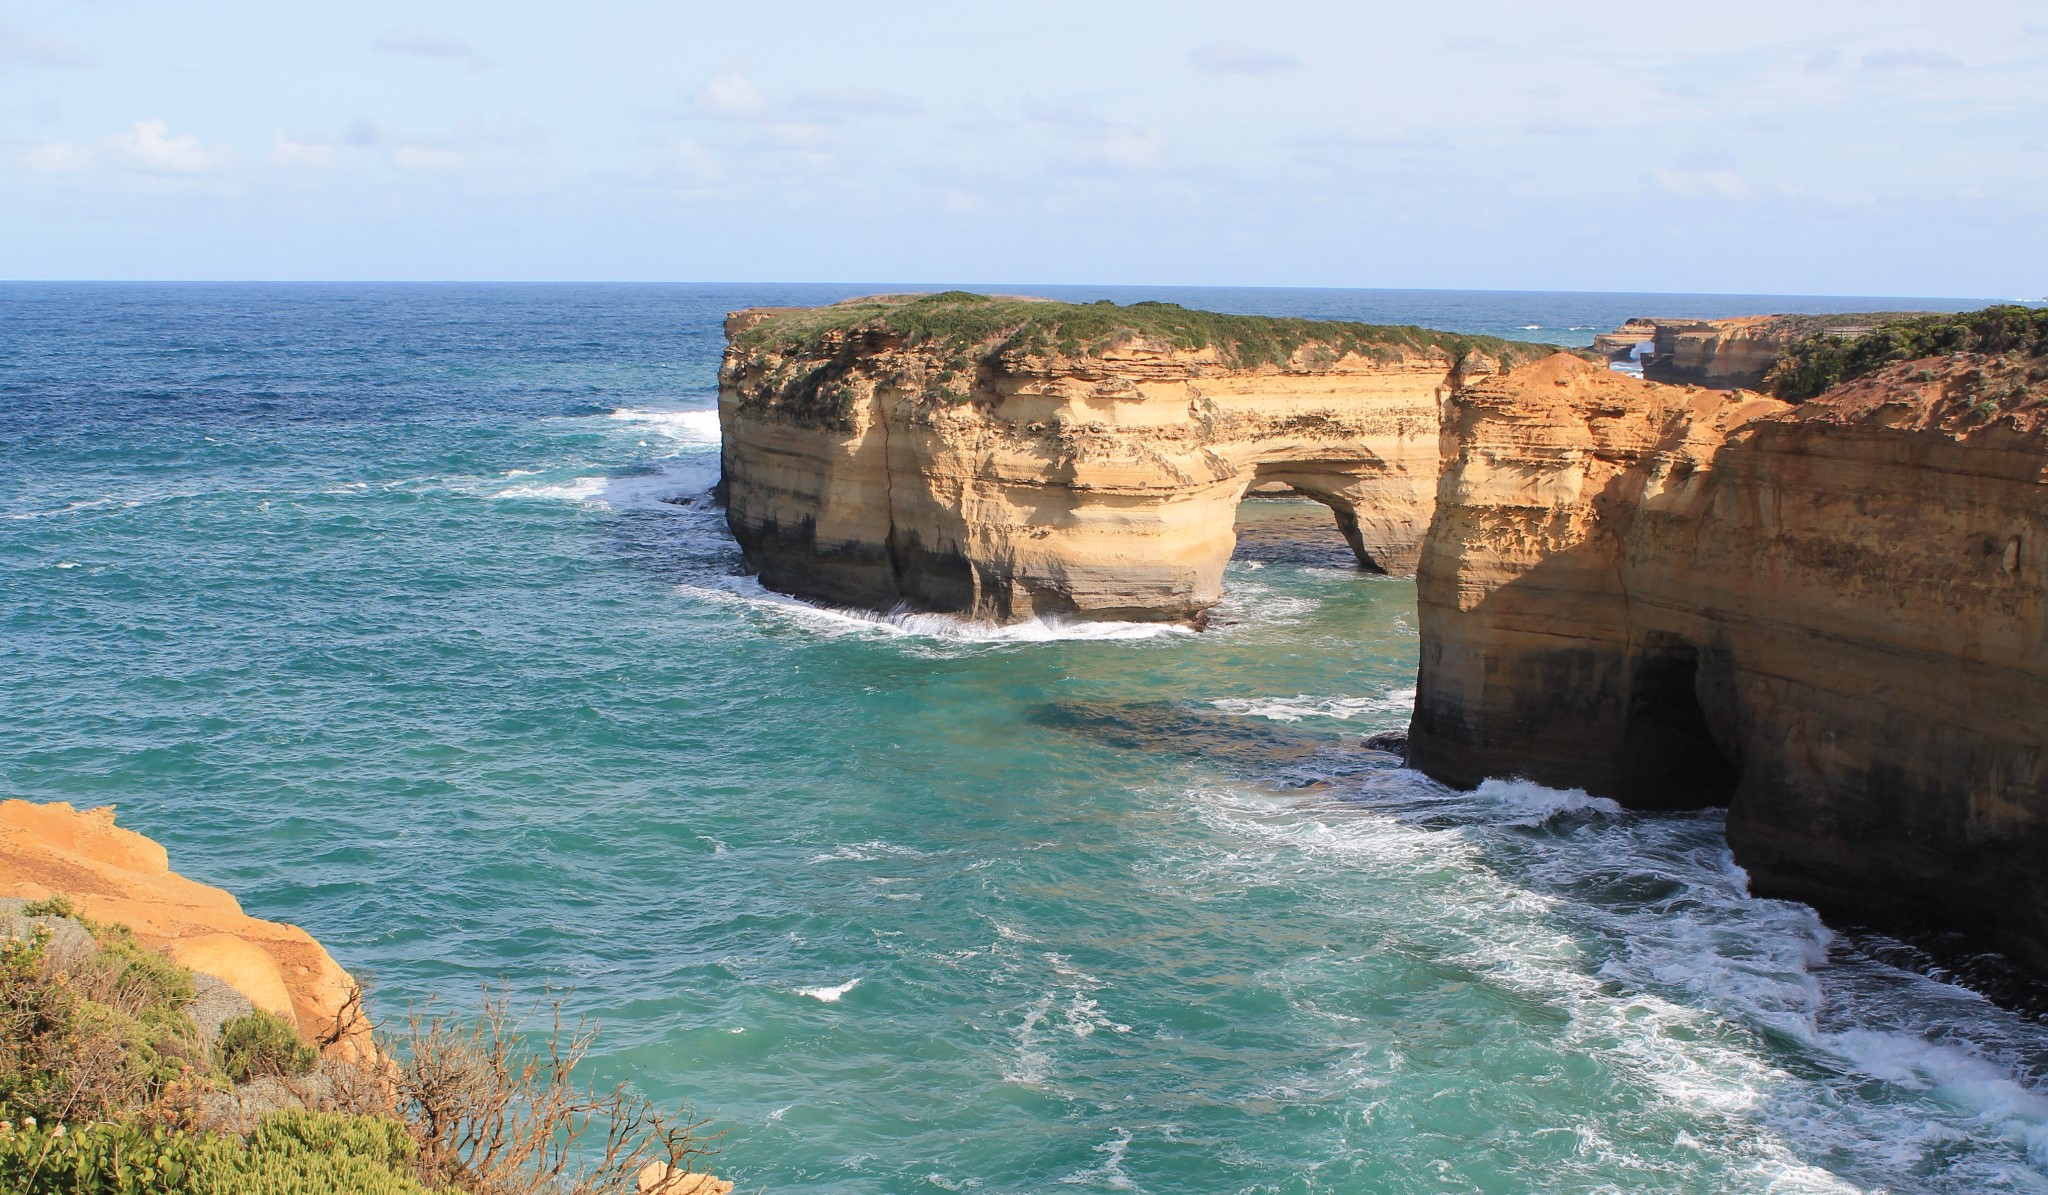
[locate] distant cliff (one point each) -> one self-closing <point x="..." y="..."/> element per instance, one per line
<point x="1011" y="458"/>
<point x="1832" y="617"/>
<point x="1728" y="354"/>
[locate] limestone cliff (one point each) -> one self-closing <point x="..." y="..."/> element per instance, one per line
<point x="117" y="875"/>
<point x="1829" y="616"/>
<point x="1016" y="458"/>
<point x="1734" y="354"/>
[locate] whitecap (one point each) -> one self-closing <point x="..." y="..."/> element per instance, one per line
<point x="69" y="508"/>
<point x="950" y="628"/>
<point x="688" y="427"/>
<point x="667" y="485"/>
<point x="1300" y="706"/>
<point x="1031" y="1065"/>
<point x="866" y="852"/>
<point x="829" y="995"/>
<point x="1083" y="1016"/>
<point x="1683" y="983"/>
<point x="1531" y="804"/>
<point x="1110" y="1173"/>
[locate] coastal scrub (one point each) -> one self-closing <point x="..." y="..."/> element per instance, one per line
<point x="962" y="328"/>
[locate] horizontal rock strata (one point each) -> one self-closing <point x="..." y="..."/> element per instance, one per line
<point x="1828" y="616"/>
<point x="1010" y="459"/>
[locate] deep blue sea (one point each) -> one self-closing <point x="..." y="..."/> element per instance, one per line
<point x="400" y="611"/>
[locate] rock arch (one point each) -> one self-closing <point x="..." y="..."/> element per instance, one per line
<point x="1102" y="484"/>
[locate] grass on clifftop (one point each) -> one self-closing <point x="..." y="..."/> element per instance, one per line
<point x="108" y="1087"/>
<point x="964" y="326"/>
<point x="1813" y="365"/>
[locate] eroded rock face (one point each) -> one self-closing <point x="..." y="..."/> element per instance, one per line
<point x="1828" y="616"/>
<point x="873" y="464"/>
<point x="1738" y="353"/>
<point x="117" y="875"/>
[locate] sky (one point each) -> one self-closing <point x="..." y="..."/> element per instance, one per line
<point x="1793" y="147"/>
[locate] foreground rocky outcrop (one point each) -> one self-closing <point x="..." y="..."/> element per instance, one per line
<point x="1009" y="459"/>
<point x="1828" y="616"/>
<point x="156" y="1034"/>
<point x="116" y="875"/>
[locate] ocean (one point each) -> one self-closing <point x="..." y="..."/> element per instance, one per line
<point x="402" y="612"/>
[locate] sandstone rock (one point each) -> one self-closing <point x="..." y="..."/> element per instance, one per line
<point x="1829" y="617"/>
<point x="112" y="874"/>
<point x="876" y="455"/>
<point x="659" y="1178"/>
<point x="1735" y="354"/>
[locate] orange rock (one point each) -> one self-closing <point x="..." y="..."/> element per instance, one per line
<point x="659" y="1178"/>
<point x="117" y="875"/>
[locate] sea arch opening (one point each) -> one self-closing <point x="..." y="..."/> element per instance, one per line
<point x="1380" y="516"/>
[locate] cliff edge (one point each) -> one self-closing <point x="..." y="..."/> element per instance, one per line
<point x="1828" y="616"/>
<point x="1016" y="458"/>
<point x="119" y="876"/>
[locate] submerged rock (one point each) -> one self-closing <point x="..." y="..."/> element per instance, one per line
<point x="1393" y="742"/>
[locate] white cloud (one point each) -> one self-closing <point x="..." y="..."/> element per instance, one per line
<point x="831" y="103"/>
<point x="1235" y="58"/>
<point x="697" y="162"/>
<point x="1702" y="184"/>
<point x="1907" y="60"/>
<point x="56" y="157"/>
<point x="1120" y="149"/>
<point x="289" y="150"/>
<point x="1070" y="117"/>
<point x="427" y="43"/>
<point x="23" y="47"/>
<point x="730" y="95"/>
<point x="1133" y="149"/>
<point x="421" y="157"/>
<point x="147" y="146"/>
<point x="457" y="148"/>
<point x="800" y="134"/>
<point x="150" y="146"/>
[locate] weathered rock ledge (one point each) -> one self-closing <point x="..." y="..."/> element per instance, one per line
<point x="1010" y="459"/>
<point x="117" y="875"/>
<point x="1828" y="616"/>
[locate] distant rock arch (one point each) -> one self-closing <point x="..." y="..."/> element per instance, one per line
<point x="864" y="466"/>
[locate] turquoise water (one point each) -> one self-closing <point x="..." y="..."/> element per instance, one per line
<point x="400" y="612"/>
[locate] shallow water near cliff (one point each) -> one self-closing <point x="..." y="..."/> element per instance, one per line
<point x="402" y="612"/>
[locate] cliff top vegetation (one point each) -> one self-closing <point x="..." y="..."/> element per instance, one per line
<point x="121" y="1075"/>
<point x="1814" y="364"/>
<point x="961" y="325"/>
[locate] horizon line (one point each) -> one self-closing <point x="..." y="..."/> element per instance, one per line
<point x="916" y="287"/>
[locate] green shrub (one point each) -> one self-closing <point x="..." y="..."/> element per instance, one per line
<point x="58" y="905"/>
<point x="261" y="1044"/>
<point x="963" y="328"/>
<point x="1813" y="365"/>
<point x="289" y="1153"/>
<point x="96" y="1035"/>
